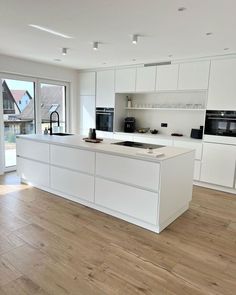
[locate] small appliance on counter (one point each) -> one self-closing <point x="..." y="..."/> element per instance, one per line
<point x="197" y="133"/>
<point x="129" y="125"/>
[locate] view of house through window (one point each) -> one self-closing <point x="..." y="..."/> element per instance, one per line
<point x="53" y="98"/>
<point x="18" y="114"/>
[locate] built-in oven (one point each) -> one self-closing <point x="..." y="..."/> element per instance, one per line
<point x="222" y="123"/>
<point x="104" y="119"/>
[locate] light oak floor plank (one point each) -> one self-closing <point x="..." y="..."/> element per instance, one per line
<point x="49" y="245"/>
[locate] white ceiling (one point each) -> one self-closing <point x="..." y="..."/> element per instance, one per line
<point x="165" y="30"/>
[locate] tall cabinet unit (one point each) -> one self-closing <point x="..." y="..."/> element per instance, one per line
<point x="87" y="98"/>
<point x="222" y="85"/>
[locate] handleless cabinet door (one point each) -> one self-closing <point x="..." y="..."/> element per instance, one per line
<point x="218" y="164"/>
<point x="197" y="146"/>
<point x="167" y="77"/>
<point x="146" y="79"/>
<point x="32" y="149"/>
<point x="125" y="80"/>
<point x="222" y="85"/>
<point x="87" y="83"/>
<point x="194" y="75"/>
<point x="73" y="158"/>
<point x="105" y="96"/>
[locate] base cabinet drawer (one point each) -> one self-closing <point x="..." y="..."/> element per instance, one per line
<point x="73" y="183"/>
<point x="130" y="171"/>
<point x="32" y="149"/>
<point x="128" y="200"/>
<point x="81" y="160"/>
<point x="34" y="172"/>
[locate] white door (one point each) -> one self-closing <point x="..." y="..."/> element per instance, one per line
<point x="125" y="80"/>
<point x="218" y="164"/>
<point x="194" y="75"/>
<point x="222" y="85"/>
<point x="105" y="96"/>
<point x="146" y="79"/>
<point x="167" y="77"/>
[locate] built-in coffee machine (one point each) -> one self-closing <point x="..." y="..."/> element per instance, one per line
<point x="129" y="125"/>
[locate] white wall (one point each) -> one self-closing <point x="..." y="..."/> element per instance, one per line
<point x="18" y="66"/>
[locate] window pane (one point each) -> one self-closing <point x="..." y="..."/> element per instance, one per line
<point x="53" y="99"/>
<point x="18" y="114"/>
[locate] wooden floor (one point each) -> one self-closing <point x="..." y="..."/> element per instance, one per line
<point x="49" y="245"/>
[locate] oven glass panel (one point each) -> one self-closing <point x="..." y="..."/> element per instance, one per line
<point x="104" y="119"/>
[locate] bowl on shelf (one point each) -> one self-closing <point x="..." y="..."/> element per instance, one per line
<point x="154" y="131"/>
<point x="143" y="130"/>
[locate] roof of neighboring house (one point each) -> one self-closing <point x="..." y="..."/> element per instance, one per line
<point x="18" y="94"/>
<point x="51" y="99"/>
<point x="8" y="94"/>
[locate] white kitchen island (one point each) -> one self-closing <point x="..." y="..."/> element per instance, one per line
<point x="148" y="191"/>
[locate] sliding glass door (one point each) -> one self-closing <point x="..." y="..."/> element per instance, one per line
<point x="18" y="107"/>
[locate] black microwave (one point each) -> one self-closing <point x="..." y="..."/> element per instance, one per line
<point x="222" y="123"/>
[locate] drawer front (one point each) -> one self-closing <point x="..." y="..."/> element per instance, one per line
<point x="73" y="183"/>
<point x="161" y="141"/>
<point x="73" y="158"/>
<point x="133" y="172"/>
<point x="128" y="200"/>
<point x="33" y="150"/>
<point x="191" y="145"/>
<point x="34" y="172"/>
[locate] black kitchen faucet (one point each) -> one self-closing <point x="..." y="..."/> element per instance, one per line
<point x="51" y="121"/>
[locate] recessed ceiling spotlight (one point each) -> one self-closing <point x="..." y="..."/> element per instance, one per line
<point x="50" y="31"/>
<point x="135" y="38"/>
<point x="57" y="59"/>
<point x="209" y="33"/>
<point x="104" y="63"/>
<point x="182" y="8"/>
<point x="134" y="59"/>
<point x="64" y="51"/>
<point x="226" y="48"/>
<point x="170" y="55"/>
<point x="95" y="45"/>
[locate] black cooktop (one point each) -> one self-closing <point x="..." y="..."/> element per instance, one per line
<point x="138" y="144"/>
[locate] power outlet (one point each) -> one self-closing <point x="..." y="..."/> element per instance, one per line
<point x="164" y="124"/>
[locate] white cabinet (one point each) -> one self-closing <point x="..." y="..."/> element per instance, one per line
<point x="146" y="79"/>
<point x="127" y="200"/>
<point x="35" y="173"/>
<point x="87" y="113"/>
<point x="32" y="149"/>
<point x="105" y="96"/>
<point x="73" y="183"/>
<point x="72" y="158"/>
<point x="197" y="146"/>
<point x="134" y="172"/>
<point x="87" y="83"/>
<point x="125" y="80"/>
<point x="194" y="75"/>
<point x="167" y="77"/>
<point x="222" y="85"/>
<point x="218" y="164"/>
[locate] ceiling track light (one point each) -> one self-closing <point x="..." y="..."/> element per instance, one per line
<point x="64" y="51"/>
<point x="95" y="45"/>
<point x="135" y="39"/>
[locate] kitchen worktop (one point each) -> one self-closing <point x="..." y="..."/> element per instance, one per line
<point x="106" y="146"/>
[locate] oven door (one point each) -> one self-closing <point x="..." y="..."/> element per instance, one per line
<point x="220" y="123"/>
<point x="104" y="119"/>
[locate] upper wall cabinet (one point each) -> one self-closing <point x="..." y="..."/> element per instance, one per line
<point x="105" y="89"/>
<point x="222" y="85"/>
<point x="87" y="83"/>
<point x="194" y="75"/>
<point x="167" y="77"/>
<point x="146" y="79"/>
<point x="125" y="80"/>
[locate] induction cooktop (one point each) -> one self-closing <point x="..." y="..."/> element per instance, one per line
<point x="138" y="144"/>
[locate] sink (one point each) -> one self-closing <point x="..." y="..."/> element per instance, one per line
<point x="62" y="134"/>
